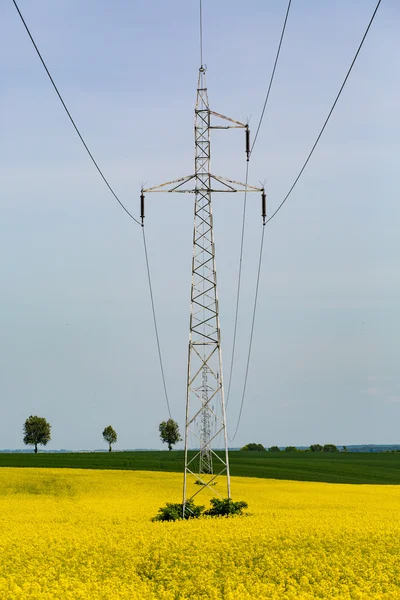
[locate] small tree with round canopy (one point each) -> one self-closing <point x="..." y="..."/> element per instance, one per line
<point x="169" y="433"/>
<point x="109" y="436"/>
<point x="36" y="431"/>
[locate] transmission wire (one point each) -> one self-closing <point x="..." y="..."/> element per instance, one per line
<point x="251" y="334"/>
<point x="272" y="76"/>
<point x="71" y="119"/>
<point x="201" y="33"/>
<point x="238" y="288"/>
<point x="284" y="200"/>
<point x="327" y="118"/>
<point x="245" y="205"/>
<point x="113" y="193"/>
<point x="155" y="322"/>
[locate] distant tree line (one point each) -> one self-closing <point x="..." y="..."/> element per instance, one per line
<point x="326" y="448"/>
<point x="312" y="448"/>
<point x="253" y="447"/>
<point x="37" y="431"/>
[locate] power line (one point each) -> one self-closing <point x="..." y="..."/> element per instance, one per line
<point x="328" y="117"/>
<point x="201" y="34"/>
<point x="272" y="76"/>
<point x="251" y="334"/>
<point x="155" y="322"/>
<point x="245" y="203"/>
<point x="238" y="288"/>
<point x="113" y="193"/>
<point x="71" y="119"/>
<point x="282" y="203"/>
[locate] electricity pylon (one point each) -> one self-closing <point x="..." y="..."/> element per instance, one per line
<point x="206" y="462"/>
<point x="205" y="422"/>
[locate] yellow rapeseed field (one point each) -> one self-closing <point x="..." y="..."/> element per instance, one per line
<point x="87" y="534"/>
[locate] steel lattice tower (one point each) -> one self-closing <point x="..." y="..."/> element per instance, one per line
<point x="206" y="463"/>
<point x="205" y="421"/>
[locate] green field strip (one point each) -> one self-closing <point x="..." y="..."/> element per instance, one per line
<point x="359" y="468"/>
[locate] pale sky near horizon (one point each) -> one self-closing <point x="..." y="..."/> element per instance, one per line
<point x="77" y="338"/>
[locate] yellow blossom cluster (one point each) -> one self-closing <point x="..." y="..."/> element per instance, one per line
<point x="82" y="534"/>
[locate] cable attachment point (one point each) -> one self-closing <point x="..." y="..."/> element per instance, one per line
<point x="142" y="207"/>
<point x="248" y="142"/>
<point x="263" y="206"/>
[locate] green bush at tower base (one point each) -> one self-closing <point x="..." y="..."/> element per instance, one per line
<point x="220" y="507"/>
<point x="174" y="512"/>
<point x="224" y="507"/>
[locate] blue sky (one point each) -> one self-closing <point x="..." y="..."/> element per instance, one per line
<point x="78" y="343"/>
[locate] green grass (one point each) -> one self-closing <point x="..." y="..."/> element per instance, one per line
<point x="357" y="467"/>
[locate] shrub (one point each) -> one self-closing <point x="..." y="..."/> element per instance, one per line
<point x="224" y="507"/>
<point x="174" y="512"/>
<point x="316" y="448"/>
<point x="201" y="482"/>
<point x="253" y="447"/>
<point x="330" y="448"/>
<point x="219" y="508"/>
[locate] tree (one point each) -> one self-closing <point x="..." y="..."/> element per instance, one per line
<point x="316" y="448"/>
<point x="290" y="449"/>
<point x="253" y="447"/>
<point x="36" y="431"/>
<point x="274" y="449"/>
<point x="169" y="433"/>
<point x="330" y="448"/>
<point x="109" y="436"/>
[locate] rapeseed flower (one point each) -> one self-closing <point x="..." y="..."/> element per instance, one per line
<point x="81" y="534"/>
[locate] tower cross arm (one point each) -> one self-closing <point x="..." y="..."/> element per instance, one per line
<point x="174" y="185"/>
<point x="230" y="185"/>
<point x="223" y="185"/>
<point x="236" y="124"/>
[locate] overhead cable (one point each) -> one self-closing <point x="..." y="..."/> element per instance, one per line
<point x="284" y="200"/>
<point x="155" y="323"/>
<point x="251" y="334"/>
<point x="272" y="76"/>
<point x="71" y="119"/>
<point x="328" y="117"/>
<point x="245" y="204"/>
<point x="113" y="193"/>
<point x="201" y="34"/>
<point x="238" y="288"/>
